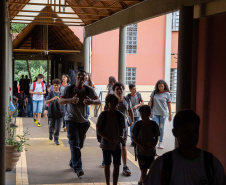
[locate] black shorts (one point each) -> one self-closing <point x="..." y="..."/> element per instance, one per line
<point x="116" y="155"/>
<point x="145" y="161"/>
<point x="125" y="134"/>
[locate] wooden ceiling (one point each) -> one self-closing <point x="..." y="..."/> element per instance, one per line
<point x="68" y="12"/>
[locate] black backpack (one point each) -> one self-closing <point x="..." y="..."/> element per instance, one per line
<point x="168" y="165"/>
<point x="55" y="110"/>
<point x="139" y="123"/>
<point x="104" y="122"/>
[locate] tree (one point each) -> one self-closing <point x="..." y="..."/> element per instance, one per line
<point x="17" y="28"/>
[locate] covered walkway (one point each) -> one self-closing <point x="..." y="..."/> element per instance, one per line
<point x="45" y="163"/>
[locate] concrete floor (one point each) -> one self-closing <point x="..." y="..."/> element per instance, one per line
<point x="48" y="163"/>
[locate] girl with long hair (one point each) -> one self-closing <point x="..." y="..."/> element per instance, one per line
<point x="65" y="80"/>
<point x="111" y="82"/>
<point x="159" y="102"/>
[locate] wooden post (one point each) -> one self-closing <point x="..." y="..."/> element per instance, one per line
<point x="29" y="72"/>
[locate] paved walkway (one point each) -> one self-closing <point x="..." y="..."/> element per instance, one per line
<point x="45" y="163"/>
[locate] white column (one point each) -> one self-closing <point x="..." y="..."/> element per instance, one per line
<point x="87" y="54"/>
<point x="122" y="55"/>
<point x="168" y="44"/>
<point x="7" y="64"/>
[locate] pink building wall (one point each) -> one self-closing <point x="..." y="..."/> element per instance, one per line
<point x="174" y="49"/>
<point x="149" y="59"/>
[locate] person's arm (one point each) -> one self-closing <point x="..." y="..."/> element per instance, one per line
<point x="170" y="114"/>
<point x="89" y="101"/>
<point x="32" y="92"/>
<point x="138" y="143"/>
<point x="44" y="92"/>
<point x="52" y="99"/>
<point x="112" y="140"/>
<point x="138" y="105"/>
<point x="73" y="100"/>
<point x="131" y="117"/>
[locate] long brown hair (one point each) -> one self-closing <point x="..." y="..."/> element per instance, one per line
<point x="90" y="80"/>
<point x="166" y="88"/>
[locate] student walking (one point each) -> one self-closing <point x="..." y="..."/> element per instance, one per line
<point x="64" y="83"/>
<point x="136" y="101"/>
<point x="160" y="100"/>
<point x="110" y="125"/>
<point x="187" y="164"/>
<point x="111" y="82"/>
<point x="124" y="106"/>
<point x="145" y="135"/>
<point x="77" y="97"/>
<point x="21" y="102"/>
<point x="55" y="112"/>
<point x="37" y="89"/>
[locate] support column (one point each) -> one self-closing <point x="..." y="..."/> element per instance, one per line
<point x="184" y="74"/>
<point x="3" y="85"/>
<point x="168" y="44"/>
<point x="122" y="55"/>
<point x="10" y="61"/>
<point x="87" y="54"/>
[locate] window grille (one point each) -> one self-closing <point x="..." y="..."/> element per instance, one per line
<point x="131" y="76"/>
<point x="175" y="21"/>
<point x="173" y="84"/>
<point x="131" y="43"/>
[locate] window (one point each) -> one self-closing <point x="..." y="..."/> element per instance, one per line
<point x="173" y="84"/>
<point x="131" y="76"/>
<point x="131" y="42"/>
<point x="175" y="21"/>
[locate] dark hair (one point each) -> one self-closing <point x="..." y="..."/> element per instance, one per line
<point x="166" y="88"/>
<point x="90" y="80"/>
<point x="118" y="84"/>
<point x="185" y="116"/>
<point x="110" y="97"/>
<point x="40" y="76"/>
<point x="56" y="81"/>
<point x="67" y="76"/>
<point x="145" y="108"/>
<point x="131" y="86"/>
<point x="48" y="86"/>
<point x="110" y="80"/>
<point x="81" y="71"/>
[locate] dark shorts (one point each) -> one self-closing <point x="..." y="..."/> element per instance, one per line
<point x="125" y="134"/>
<point x="145" y="161"/>
<point x="116" y="154"/>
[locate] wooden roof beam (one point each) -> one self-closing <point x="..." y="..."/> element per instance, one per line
<point x="69" y="13"/>
<point x="42" y="51"/>
<point x="55" y="17"/>
<point x="52" y="24"/>
<point x="48" y="21"/>
<point x="72" y="6"/>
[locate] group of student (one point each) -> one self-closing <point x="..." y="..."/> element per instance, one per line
<point x="186" y="165"/>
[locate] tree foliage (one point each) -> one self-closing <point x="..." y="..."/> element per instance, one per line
<point x="36" y="67"/>
<point x="17" y="28"/>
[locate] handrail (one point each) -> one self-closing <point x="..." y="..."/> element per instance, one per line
<point x="99" y="107"/>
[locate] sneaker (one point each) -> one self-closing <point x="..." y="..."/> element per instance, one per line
<point x="160" y="145"/>
<point x="70" y="164"/>
<point x="126" y="171"/>
<point x="50" y="136"/>
<point x="80" y="173"/>
<point x="65" y="129"/>
<point x="39" y="125"/>
<point x="56" y="142"/>
<point x="35" y="121"/>
<point x="12" y="125"/>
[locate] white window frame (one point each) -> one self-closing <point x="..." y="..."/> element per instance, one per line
<point x="131" y="75"/>
<point x="131" y="41"/>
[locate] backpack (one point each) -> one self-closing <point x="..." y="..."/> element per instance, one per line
<point x="34" y="85"/>
<point x="168" y="165"/>
<point x="55" y="110"/>
<point x="152" y="100"/>
<point x="138" y="95"/>
<point x="104" y="123"/>
<point x="139" y="123"/>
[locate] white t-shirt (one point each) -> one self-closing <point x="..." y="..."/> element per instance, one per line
<point x="186" y="172"/>
<point x="38" y="88"/>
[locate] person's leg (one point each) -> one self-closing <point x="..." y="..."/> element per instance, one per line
<point x="40" y="107"/>
<point x="107" y="159"/>
<point x="162" y="120"/>
<point x="51" y="123"/>
<point x="117" y="163"/>
<point x="73" y="136"/>
<point x="126" y="170"/>
<point x="143" y="174"/>
<point x="35" y="108"/>
<point x="124" y="155"/>
<point x="57" y="130"/>
<point x="28" y="109"/>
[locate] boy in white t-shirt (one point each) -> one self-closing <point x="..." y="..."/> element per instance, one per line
<point x="37" y="89"/>
<point x="187" y="164"/>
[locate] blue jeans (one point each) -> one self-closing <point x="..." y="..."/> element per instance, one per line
<point x="29" y="110"/>
<point x="37" y="106"/>
<point x="76" y="133"/>
<point x="88" y="111"/>
<point x="160" y="120"/>
<point x="54" y="127"/>
<point x="131" y="128"/>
